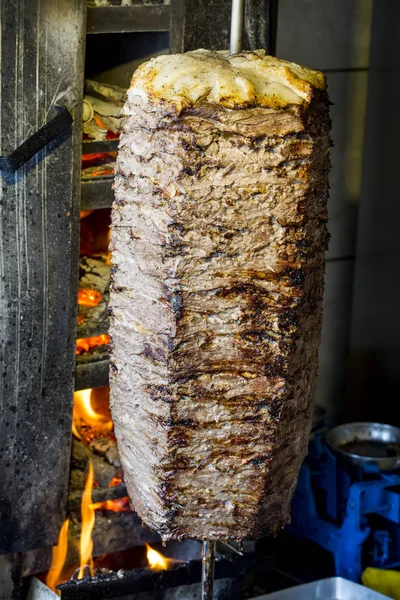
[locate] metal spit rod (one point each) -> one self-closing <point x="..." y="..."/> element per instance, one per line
<point x="208" y="550"/>
<point x="237" y="19"/>
<point x="207" y="570"/>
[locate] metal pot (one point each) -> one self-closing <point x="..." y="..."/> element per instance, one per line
<point x="363" y="443"/>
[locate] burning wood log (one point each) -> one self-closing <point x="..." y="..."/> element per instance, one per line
<point x="106" y="91"/>
<point x="105" y="114"/>
<point x="98" y="342"/>
<point x="93" y="295"/>
<point x="94" y="441"/>
<point x="139" y="581"/>
<point x="98" y="164"/>
<point x="101" y="110"/>
<point x="104" y="472"/>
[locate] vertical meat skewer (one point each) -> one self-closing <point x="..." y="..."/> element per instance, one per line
<point x="237" y="20"/>
<point x="218" y="240"/>
<point x="207" y="570"/>
<point x="208" y="549"/>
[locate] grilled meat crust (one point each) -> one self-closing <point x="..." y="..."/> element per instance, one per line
<point x="218" y="241"/>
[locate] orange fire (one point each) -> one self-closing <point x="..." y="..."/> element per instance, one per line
<point x="156" y="560"/>
<point x="75" y="431"/>
<point x="88" y="297"/>
<point x="86" y="542"/>
<point x="87" y="511"/>
<point x="97" y="158"/>
<point x="118" y="505"/>
<point x="102" y="173"/>
<point x="116" y="480"/>
<point x="58" y="559"/>
<point x="159" y="562"/>
<point x="102" y="160"/>
<point x="108" y="261"/>
<point x="99" y="122"/>
<point x="86" y="344"/>
<point x="85" y="213"/>
<point x="83" y="410"/>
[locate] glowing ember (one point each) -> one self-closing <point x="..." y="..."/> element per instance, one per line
<point x="116" y="480"/>
<point x="87" y="511"/>
<point x="97" y="158"/>
<point x="102" y="172"/>
<point x="99" y="122"/>
<point x="83" y="410"/>
<point x="158" y="561"/>
<point x="88" y="297"/>
<point x="85" y="213"/>
<point x="118" y="505"/>
<point x="58" y="559"/>
<point x="104" y="161"/>
<point x="86" y="344"/>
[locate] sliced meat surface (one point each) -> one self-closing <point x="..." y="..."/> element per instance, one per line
<point x="218" y="242"/>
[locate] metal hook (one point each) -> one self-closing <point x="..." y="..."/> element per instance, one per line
<point x="237" y="19"/>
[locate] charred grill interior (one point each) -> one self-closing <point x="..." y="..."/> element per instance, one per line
<point x="218" y="241"/>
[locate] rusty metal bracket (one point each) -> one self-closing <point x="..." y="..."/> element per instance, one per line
<point x="43" y="136"/>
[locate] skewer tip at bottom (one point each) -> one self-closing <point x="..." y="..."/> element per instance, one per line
<point x="207" y="570"/>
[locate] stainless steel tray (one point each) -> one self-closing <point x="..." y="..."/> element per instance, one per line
<point x="333" y="588"/>
<point x="363" y="443"/>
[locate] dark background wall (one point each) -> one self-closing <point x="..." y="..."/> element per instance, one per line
<point x="374" y="367"/>
<point x="335" y="37"/>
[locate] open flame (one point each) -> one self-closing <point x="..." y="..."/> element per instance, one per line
<point x="83" y="410"/>
<point x="86" y="344"/>
<point x="53" y="577"/>
<point x="75" y="431"/>
<point x="58" y="558"/>
<point x="117" y="505"/>
<point x="156" y="560"/>
<point x="159" y="562"/>
<point x="88" y="517"/>
<point x="87" y="297"/>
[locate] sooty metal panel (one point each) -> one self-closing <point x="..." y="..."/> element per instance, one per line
<point x="42" y="53"/>
<point x="121" y="19"/>
<point x="97" y="193"/>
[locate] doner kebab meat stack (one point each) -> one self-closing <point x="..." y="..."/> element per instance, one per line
<point x="218" y="241"/>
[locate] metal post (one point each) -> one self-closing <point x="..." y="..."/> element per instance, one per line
<point x="207" y="570"/>
<point x="208" y="550"/>
<point x="237" y="19"/>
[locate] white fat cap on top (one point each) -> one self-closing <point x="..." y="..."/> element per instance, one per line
<point x="248" y="79"/>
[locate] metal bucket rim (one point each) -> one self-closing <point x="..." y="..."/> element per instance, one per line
<point x="385" y="463"/>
